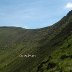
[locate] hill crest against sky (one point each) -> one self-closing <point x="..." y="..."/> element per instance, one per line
<point x="52" y="46"/>
<point x="68" y="14"/>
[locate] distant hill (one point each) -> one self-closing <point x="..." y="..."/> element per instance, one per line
<point x="47" y="49"/>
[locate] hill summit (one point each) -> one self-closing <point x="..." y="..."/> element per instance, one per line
<point x="70" y="13"/>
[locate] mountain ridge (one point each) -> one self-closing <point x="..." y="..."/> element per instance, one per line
<point x="43" y="43"/>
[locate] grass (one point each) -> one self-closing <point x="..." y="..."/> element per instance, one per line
<point x="51" y="45"/>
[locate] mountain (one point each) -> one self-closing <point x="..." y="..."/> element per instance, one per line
<point x="47" y="49"/>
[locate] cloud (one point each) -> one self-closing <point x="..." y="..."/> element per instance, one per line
<point x="68" y="5"/>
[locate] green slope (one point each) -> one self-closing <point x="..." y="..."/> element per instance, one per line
<point x="51" y="45"/>
<point x="61" y="59"/>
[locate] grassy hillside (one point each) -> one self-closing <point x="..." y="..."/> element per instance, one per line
<point x="50" y="45"/>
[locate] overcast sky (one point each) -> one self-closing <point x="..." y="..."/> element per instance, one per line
<point x="32" y="13"/>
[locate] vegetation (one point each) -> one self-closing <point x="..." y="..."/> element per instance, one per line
<point x="52" y="46"/>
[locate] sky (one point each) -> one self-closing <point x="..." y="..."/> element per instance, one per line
<point x="32" y="14"/>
